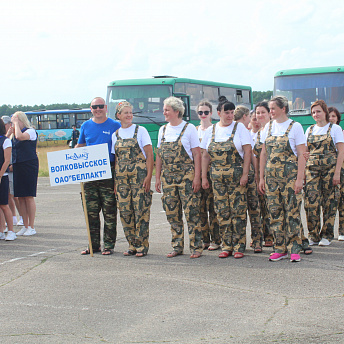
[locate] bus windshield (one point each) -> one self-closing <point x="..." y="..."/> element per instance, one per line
<point x="303" y="90"/>
<point x="147" y="101"/>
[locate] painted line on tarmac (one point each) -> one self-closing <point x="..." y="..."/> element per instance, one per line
<point x="58" y="193"/>
<point x="30" y="255"/>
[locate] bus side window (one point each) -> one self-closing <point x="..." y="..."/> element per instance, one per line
<point x="238" y="96"/>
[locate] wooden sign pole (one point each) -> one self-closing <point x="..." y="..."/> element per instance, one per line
<point x="86" y="218"/>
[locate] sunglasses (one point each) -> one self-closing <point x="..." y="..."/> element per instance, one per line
<point x="203" y="112"/>
<point x="95" y="107"/>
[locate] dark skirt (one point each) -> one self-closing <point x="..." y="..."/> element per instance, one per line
<point x="4" y="190"/>
<point x="25" y="175"/>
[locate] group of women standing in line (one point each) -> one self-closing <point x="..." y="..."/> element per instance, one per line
<point x="226" y="179"/>
<point x="18" y="148"/>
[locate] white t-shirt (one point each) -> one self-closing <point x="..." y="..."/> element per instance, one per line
<point x="32" y="133"/>
<point x="7" y="143"/>
<point x="296" y="135"/>
<point x="143" y="138"/>
<point x="242" y="136"/>
<point x="201" y="132"/>
<point x="189" y="139"/>
<point x="336" y="132"/>
<point x="254" y="136"/>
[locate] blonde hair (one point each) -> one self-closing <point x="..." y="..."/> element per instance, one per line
<point x="240" y="111"/>
<point x="23" y="118"/>
<point x="176" y="104"/>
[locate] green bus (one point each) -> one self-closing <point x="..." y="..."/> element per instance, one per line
<point x="304" y="86"/>
<point x="147" y="96"/>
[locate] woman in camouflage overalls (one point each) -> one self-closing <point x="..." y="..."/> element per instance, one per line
<point x="133" y="172"/>
<point x="209" y="223"/>
<point x="322" y="174"/>
<point x="282" y="168"/>
<point x="263" y="117"/>
<point x="178" y="167"/>
<point x="335" y="118"/>
<point x="242" y="115"/>
<point x="227" y="147"/>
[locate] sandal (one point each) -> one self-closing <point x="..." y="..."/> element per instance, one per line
<point x="173" y="254"/>
<point x="195" y="255"/>
<point x="225" y="254"/>
<point x="141" y="254"/>
<point x="268" y="243"/>
<point x="257" y="249"/>
<point x="307" y="250"/>
<point x="87" y="251"/>
<point x="107" y="252"/>
<point x="129" y="253"/>
<point x="213" y="247"/>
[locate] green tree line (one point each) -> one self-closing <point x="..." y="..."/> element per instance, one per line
<point x="259" y="96"/>
<point x="8" y="110"/>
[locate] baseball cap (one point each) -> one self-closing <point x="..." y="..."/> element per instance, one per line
<point x="6" y="119"/>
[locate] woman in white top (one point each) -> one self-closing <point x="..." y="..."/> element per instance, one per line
<point x="133" y="173"/>
<point x="5" y="157"/>
<point x="254" y="126"/>
<point x="325" y="143"/>
<point x="227" y="148"/>
<point x="335" y="118"/>
<point x="242" y="115"/>
<point x="209" y="224"/>
<point x="262" y="111"/>
<point x="25" y="169"/>
<point x="178" y="168"/>
<point x="282" y="167"/>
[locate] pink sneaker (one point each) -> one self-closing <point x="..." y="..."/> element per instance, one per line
<point x="278" y="256"/>
<point x="295" y="258"/>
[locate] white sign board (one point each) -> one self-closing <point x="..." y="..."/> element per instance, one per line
<point x="84" y="164"/>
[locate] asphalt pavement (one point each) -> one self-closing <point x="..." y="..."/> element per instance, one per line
<point x="52" y="294"/>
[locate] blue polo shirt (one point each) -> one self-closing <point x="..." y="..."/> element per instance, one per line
<point x="93" y="133"/>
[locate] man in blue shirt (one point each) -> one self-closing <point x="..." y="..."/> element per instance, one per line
<point x="99" y="194"/>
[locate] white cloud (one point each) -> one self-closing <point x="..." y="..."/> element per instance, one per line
<point x="68" y="51"/>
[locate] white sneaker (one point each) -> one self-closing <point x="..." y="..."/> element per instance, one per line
<point x="15" y="220"/>
<point x="324" y="242"/>
<point x="22" y="231"/>
<point x="20" y="222"/>
<point x="6" y="230"/>
<point x="2" y="236"/>
<point x="30" y="231"/>
<point x="311" y="242"/>
<point x="341" y="238"/>
<point x="11" y="236"/>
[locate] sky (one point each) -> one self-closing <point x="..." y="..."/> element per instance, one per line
<point x="69" y="51"/>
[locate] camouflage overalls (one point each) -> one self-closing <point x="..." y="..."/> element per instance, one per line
<point x="99" y="195"/>
<point x="133" y="201"/>
<point x="319" y="188"/>
<point x="283" y="204"/>
<point x="254" y="210"/>
<point x="230" y="198"/>
<point x="267" y="232"/>
<point x="177" y="176"/>
<point x="210" y="228"/>
<point x="341" y="203"/>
